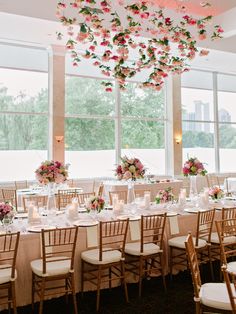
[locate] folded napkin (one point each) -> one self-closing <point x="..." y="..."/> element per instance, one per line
<point x="174" y="225"/>
<point x="92" y="236"/>
<point x="134" y="230"/>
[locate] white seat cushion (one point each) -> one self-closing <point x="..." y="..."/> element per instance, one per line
<point x="231" y="267"/>
<point x="92" y="257"/>
<point x="215" y="295"/>
<point x="148" y="248"/>
<point x="215" y="238"/>
<point x="5" y="273"/>
<point x="179" y="242"/>
<point x="58" y="266"/>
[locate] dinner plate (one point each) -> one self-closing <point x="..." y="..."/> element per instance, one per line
<point x="82" y="210"/>
<point x="38" y="228"/>
<point x="171" y="214"/>
<point x="21" y="215"/>
<point x="131" y="217"/>
<point x="194" y="210"/>
<point x="85" y="223"/>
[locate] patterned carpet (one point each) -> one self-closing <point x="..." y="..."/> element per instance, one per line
<point x="177" y="300"/>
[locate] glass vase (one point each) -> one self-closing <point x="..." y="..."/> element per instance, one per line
<point x="51" y="203"/>
<point x="131" y="194"/>
<point x="193" y="186"/>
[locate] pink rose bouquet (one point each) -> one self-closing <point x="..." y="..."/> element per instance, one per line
<point x="52" y="171"/>
<point x="130" y="168"/>
<point x="6" y="209"/>
<point x="193" y="167"/>
<point x="164" y="196"/>
<point x="95" y="203"/>
<point x="216" y="192"/>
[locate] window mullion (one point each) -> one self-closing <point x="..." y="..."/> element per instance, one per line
<point x="216" y="123"/>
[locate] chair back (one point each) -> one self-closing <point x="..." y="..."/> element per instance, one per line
<point x="204" y="225"/>
<point x="230" y="282"/>
<point x="122" y="195"/>
<point x="193" y="265"/>
<point x="1" y="195"/>
<point x="152" y="230"/>
<point x="21" y="185"/>
<point x="38" y="200"/>
<point x="59" y="242"/>
<point x="112" y="236"/>
<point x="63" y="198"/>
<point x="9" y="195"/>
<point x="228" y="213"/>
<point x="100" y="189"/>
<point x="226" y="230"/>
<point x="140" y="193"/>
<point x="212" y="179"/>
<point x="83" y="197"/>
<point x="8" y="251"/>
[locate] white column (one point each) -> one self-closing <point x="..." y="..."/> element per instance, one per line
<point x="174" y="126"/>
<point x="117" y="123"/>
<point x="57" y="103"/>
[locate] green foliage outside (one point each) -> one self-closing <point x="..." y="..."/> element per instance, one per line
<point x="86" y="97"/>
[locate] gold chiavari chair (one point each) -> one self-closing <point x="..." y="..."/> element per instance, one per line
<point x="83" y="197"/>
<point x="100" y="190"/>
<point x="63" y="199"/>
<point x="209" y="296"/>
<point x="148" y="252"/>
<point x="9" y="195"/>
<point x="8" y="249"/>
<point x="230" y="281"/>
<point x="56" y="264"/>
<point x="106" y="263"/>
<point x="38" y="200"/>
<point x="202" y="242"/>
<point x="122" y="195"/>
<point x="21" y="185"/>
<point x="212" y="180"/>
<point x="1" y="195"/>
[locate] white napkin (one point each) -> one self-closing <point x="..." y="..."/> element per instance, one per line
<point x="134" y="230"/>
<point x="92" y="236"/>
<point x="174" y="225"/>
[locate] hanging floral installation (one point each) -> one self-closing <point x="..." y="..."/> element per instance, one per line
<point x="124" y="38"/>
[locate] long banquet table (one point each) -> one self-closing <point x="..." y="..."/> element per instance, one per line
<point x="29" y="246"/>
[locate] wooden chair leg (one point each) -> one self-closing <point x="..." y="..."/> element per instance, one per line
<point x="9" y="298"/>
<point x="110" y="278"/>
<point x="74" y="293"/>
<point x="124" y="281"/>
<point x="43" y="282"/>
<point x="140" y="276"/>
<point x="98" y="288"/>
<point x="82" y="277"/>
<point x="171" y="262"/>
<point x="66" y="287"/>
<point x="162" y="271"/>
<point x="32" y="292"/>
<point x="211" y="266"/>
<point x="13" y="295"/>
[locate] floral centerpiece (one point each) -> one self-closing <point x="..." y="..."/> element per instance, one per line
<point x="130" y="168"/>
<point x="216" y="192"/>
<point x="95" y="203"/>
<point x="193" y="167"/>
<point x="52" y="171"/>
<point x="164" y="196"/>
<point x="6" y="210"/>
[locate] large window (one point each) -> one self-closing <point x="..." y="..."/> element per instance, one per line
<point x="209" y="119"/>
<point x="23" y="111"/>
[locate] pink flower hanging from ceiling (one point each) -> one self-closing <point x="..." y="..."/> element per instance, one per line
<point x="127" y="37"/>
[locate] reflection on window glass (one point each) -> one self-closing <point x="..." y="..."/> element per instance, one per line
<point x="88" y="97"/>
<point x="139" y="102"/>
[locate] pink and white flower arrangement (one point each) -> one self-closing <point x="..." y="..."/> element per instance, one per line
<point x="6" y="209"/>
<point x="111" y="32"/>
<point x="52" y="171"/>
<point x="95" y="203"/>
<point x="193" y="167"/>
<point x="164" y="196"/>
<point x="216" y="192"/>
<point x="130" y="168"/>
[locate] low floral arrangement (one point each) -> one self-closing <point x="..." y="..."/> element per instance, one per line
<point x="164" y="196"/>
<point x="95" y="203"/>
<point x="193" y="167"/>
<point x="216" y="192"/>
<point x="52" y="171"/>
<point x="130" y="168"/>
<point x="6" y="210"/>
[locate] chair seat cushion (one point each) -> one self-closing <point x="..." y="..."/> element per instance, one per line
<point x="215" y="295"/>
<point x="57" y="266"/>
<point x="5" y="273"/>
<point x="148" y="249"/>
<point x="92" y="256"/>
<point x="231" y="267"/>
<point x="215" y="238"/>
<point x="179" y="242"/>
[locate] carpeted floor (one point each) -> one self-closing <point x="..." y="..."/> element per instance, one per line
<point x="177" y="300"/>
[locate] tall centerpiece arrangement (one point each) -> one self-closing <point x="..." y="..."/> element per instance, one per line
<point x="125" y="37"/>
<point x="130" y="169"/>
<point x="193" y="167"/>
